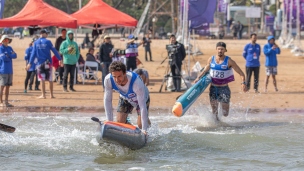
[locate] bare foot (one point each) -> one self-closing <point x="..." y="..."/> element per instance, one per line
<point x="41" y="97"/>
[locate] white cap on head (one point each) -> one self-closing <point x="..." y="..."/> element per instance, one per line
<point x="5" y="37"/>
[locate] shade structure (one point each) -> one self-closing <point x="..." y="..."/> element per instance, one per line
<point x="37" y="12"/>
<point x="98" y="12"/>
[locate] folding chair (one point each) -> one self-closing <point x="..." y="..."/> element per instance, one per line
<point x="91" y="70"/>
<point x="56" y="75"/>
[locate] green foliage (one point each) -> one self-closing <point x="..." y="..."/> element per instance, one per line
<point x="273" y="9"/>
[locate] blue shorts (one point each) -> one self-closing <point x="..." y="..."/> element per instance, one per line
<point x="221" y="94"/>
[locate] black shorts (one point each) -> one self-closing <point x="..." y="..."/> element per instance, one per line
<point x="221" y="94"/>
<point x="125" y="107"/>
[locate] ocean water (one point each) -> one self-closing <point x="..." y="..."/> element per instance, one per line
<point x="260" y="140"/>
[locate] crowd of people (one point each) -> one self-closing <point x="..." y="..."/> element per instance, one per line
<point x="124" y="77"/>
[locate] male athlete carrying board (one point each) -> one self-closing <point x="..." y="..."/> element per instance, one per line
<point x="220" y="69"/>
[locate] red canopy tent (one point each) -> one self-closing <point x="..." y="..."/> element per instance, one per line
<point x="98" y="12"/>
<point x="37" y="12"/>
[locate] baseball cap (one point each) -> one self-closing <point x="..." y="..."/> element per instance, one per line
<point x="106" y="37"/>
<point x="44" y="31"/>
<point x="222" y="44"/>
<point x="5" y="37"/>
<point x="131" y="36"/>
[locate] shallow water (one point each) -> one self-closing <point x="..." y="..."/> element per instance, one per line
<point x="66" y="141"/>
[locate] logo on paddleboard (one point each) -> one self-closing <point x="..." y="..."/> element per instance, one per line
<point x="191" y="94"/>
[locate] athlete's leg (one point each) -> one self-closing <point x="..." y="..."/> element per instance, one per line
<point x="266" y="82"/>
<point x="214" y="107"/>
<point x="121" y="117"/>
<point x="275" y="83"/>
<point x="225" y="108"/>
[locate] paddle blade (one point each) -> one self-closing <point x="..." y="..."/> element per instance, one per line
<point x="7" y="128"/>
<point x="95" y="119"/>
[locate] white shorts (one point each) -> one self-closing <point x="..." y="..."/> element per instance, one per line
<point x="271" y="71"/>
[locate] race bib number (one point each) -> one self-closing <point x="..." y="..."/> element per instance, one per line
<point x="218" y="74"/>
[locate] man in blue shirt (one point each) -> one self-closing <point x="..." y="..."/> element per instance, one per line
<point x="41" y="51"/>
<point x="251" y="54"/>
<point x="271" y="49"/>
<point x="6" y="68"/>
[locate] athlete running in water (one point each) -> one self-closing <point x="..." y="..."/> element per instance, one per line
<point x="220" y="69"/>
<point x="133" y="93"/>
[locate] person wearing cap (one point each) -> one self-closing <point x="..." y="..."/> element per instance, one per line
<point x="105" y="56"/>
<point x="59" y="40"/>
<point x="271" y="49"/>
<point x="41" y="52"/>
<point x="31" y="73"/>
<point x="220" y="68"/>
<point x="176" y="58"/>
<point x="69" y="50"/>
<point x="132" y="52"/>
<point x="144" y="75"/>
<point x="6" y="69"/>
<point x="252" y="52"/>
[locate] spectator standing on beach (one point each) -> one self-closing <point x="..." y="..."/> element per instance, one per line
<point x="240" y="27"/>
<point x="229" y="24"/>
<point x="271" y="50"/>
<point x="31" y="73"/>
<point x="41" y="51"/>
<point x="60" y="68"/>
<point x="132" y="52"/>
<point x="252" y="52"/>
<point x="70" y="52"/>
<point x="146" y="43"/>
<point x="6" y="69"/>
<point x="105" y="56"/>
<point x="234" y="29"/>
<point x="144" y="75"/>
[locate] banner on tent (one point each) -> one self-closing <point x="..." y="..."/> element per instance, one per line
<point x="2" y="2"/>
<point x="203" y="30"/>
<point x="222" y="6"/>
<point x="287" y="4"/>
<point x="201" y="12"/>
<point x="269" y="22"/>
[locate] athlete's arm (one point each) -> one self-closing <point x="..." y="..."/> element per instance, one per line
<point x="140" y="90"/>
<point x="206" y="69"/>
<point x="232" y="64"/>
<point x="108" y="93"/>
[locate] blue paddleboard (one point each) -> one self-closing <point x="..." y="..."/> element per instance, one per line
<point x="184" y="102"/>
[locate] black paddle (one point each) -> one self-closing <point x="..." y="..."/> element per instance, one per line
<point x="7" y="128"/>
<point x="96" y="120"/>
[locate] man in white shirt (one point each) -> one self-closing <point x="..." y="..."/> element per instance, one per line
<point x="133" y="93"/>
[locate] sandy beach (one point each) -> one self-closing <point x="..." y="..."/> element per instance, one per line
<point x="289" y="80"/>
